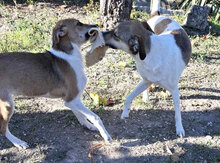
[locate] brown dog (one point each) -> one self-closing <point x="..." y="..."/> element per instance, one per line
<point x="56" y="73"/>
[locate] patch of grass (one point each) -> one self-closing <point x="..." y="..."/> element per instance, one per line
<point x="205" y="47"/>
<point x="28" y="34"/>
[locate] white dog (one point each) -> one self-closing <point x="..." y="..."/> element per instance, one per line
<point x="161" y="49"/>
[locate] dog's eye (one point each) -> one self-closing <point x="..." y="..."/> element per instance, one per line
<point x="79" y="24"/>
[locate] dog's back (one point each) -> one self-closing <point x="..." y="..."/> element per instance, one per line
<point x="29" y="74"/>
<point x="164" y="25"/>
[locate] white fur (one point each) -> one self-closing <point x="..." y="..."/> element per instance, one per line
<point x="17" y="142"/>
<point x="155" y="6"/>
<point x="145" y="96"/>
<point x="75" y="61"/>
<point x="163" y="65"/>
<point x="82" y="113"/>
<point x="77" y="106"/>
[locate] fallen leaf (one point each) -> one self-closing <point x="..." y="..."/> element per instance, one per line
<point x="95" y="98"/>
<point x="103" y="101"/>
<point x="92" y="149"/>
<point x="110" y="101"/>
<point x="98" y="100"/>
<point x="151" y="88"/>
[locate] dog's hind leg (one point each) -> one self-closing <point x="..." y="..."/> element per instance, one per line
<point x="145" y="96"/>
<point x="178" y="120"/>
<point x="77" y="105"/>
<point x="143" y="85"/>
<point x="6" y="111"/>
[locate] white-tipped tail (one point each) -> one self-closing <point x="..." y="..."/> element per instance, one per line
<point x="155" y="8"/>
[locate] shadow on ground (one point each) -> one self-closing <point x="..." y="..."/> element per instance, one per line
<point x="61" y="134"/>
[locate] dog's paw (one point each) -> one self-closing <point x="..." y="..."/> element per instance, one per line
<point x="89" y="125"/>
<point x="21" y="144"/>
<point x="125" y="114"/>
<point x="108" y="139"/>
<point x="92" y="128"/>
<point x="180" y="131"/>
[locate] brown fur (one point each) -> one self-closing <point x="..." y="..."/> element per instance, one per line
<point x="143" y="34"/>
<point x="6" y="110"/>
<point x="161" y="26"/>
<point x="67" y="31"/>
<point x="37" y="75"/>
<point x="184" y="44"/>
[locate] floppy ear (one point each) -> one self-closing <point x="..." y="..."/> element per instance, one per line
<point x="142" y="51"/>
<point x="146" y="26"/>
<point x="60" y="32"/>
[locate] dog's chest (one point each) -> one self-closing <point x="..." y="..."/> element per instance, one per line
<point x="75" y="61"/>
<point x="150" y="69"/>
<point x="77" y="65"/>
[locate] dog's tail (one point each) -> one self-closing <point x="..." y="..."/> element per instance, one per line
<point x="155" y="8"/>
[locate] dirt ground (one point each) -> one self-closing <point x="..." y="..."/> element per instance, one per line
<point x="148" y="135"/>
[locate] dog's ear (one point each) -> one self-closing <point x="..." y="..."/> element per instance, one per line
<point x="142" y="51"/>
<point x="146" y="26"/>
<point x="137" y="45"/>
<point x="60" y="32"/>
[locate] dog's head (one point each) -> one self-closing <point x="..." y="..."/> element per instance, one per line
<point x="69" y="31"/>
<point x="130" y="36"/>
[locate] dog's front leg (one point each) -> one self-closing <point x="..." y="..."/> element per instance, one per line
<point x="178" y="120"/>
<point x="143" y="85"/>
<point x="84" y="121"/>
<point x="76" y="105"/>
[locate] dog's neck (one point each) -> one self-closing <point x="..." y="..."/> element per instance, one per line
<point x="75" y="53"/>
<point x="65" y="46"/>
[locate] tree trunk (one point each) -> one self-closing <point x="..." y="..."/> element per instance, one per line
<point x="114" y="11"/>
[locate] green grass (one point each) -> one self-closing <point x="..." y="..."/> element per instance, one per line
<point x="27" y="33"/>
<point x="33" y="32"/>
